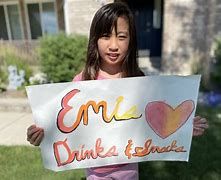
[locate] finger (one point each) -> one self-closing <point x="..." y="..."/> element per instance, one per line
<point x="38" y="140"/>
<point x="31" y="127"/>
<point x="201" y="125"/>
<point x="34" y="136"/>
<point x="198" y="133"/>
<point x="204" y="120"/>
<point x="197" y="128"/>
<point x="201" y="122"/>
<point x="33" y="131"/>
<point x="196" y="119"/>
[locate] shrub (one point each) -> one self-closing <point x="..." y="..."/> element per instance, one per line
<point x="39" y="78"/>
<point x="12" y="59"/>
<point x="9" y="55"/>
<point x="3" y="74"/>
<point x="3" y="79"/>
<point x="62" y="56"/>
<point x="216" y="72"/>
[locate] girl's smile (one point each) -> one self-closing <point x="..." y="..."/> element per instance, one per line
<point x="113" y="56"/>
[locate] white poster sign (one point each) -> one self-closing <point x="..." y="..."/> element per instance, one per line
<point x="106" y="122"/>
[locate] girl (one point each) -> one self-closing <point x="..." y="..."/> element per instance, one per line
<point x="112" y="53"/>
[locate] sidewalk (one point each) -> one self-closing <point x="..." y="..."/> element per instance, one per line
<point x="15" y="117"/>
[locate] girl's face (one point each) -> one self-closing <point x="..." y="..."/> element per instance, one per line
<point x="113" y="47"/>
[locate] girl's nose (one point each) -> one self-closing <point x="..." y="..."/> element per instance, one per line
<point x="113" y="44"/>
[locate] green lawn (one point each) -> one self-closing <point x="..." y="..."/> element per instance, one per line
<point x="20" y="162"/>
<point x="24" y="163"/>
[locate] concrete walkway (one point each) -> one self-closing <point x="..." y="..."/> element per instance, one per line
<point x="15" y="117"/>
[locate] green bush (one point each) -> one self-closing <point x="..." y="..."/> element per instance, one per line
<point x="3" y="74"/>
<point x="62" y="56"/>
<point x="3" y="79"/>
<point x="9" y="55"/>
<point x="12" y="59"/>
<point x="216" y="72"/>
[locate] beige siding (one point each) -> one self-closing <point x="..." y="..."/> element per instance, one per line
<point x="79" y="14"/>
<point x="190" y="27"/>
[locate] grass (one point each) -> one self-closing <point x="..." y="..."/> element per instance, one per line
<point x="24" y="163"/>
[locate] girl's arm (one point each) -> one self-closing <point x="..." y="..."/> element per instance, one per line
<point x="199" y="125"/>
<point x="35" y="135"/>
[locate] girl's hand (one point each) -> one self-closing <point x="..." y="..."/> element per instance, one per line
<point x="199" y="125"/>
<point x="35" y="135"/>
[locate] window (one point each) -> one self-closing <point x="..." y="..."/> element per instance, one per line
<point x="39" y="15"/>
<point x="14" y="22"/>
<point x="157" y="14"/>
<point x="42" y="19"/>
<point x="3" y="29"/>
<point x="10" y="22"/>
<point x="49" y="19"/>
<point x="34" y="20"/>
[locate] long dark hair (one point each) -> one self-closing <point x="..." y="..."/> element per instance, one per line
<point x="103" y="22"/>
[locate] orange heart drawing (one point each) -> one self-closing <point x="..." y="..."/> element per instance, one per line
<point x="164" y="119"/>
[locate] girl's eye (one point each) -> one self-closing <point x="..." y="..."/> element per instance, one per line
<point x="105" y="36"/>
<point x="122" y="37"/>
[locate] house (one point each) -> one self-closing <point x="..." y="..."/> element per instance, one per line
<point x="173" y="35"/>
<point x="30" y="19"/>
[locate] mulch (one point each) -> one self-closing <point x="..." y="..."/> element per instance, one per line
<point x="13" y="94"/>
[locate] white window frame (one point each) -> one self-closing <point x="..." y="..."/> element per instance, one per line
<point x="5" y="4"/>
<point x="157" y="14"/>
<point x="39" y="2"/>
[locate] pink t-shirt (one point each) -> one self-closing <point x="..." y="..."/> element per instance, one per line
<point x="120" y="171"/>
